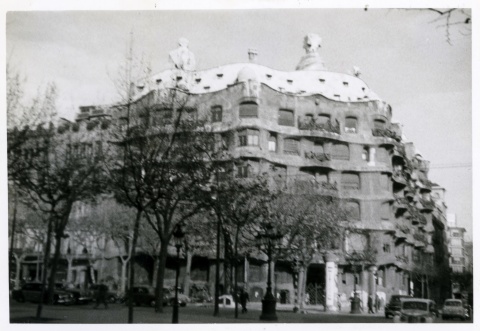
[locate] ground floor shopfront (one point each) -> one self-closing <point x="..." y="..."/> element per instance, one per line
<point x="325" y="282"/>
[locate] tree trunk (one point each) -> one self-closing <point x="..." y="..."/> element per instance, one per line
<point x="156" y="262"/>
<point x="18" y="266"/>
<point x="131" y="279"/>
<point x="53" y="269"/>
<point x="69" y="268"/>
<point x="46" y="258"/>
<point x="301" y="287"/>
<point x="235" y="261"/>
<point x="186" y="279"/>
<point x="123" y="278"/>
<point x="161" y="276"/>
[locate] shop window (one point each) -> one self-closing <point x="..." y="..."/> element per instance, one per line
<point x="351" y="125"/>
<point x="285" y="117"/>
<point x="290" y="146"/>
<point x="272" y="143"/>
<point x="217" y="113"/>
<point x="248" y="109"/>
<point x="248" y="137"/>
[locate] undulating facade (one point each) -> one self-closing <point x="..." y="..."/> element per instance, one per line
<point x="328" y="130"/>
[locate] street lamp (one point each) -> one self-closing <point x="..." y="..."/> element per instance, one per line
<point x="178" y="236"/>
<point x="268" y="240"/>
<point x="355" y="304"/>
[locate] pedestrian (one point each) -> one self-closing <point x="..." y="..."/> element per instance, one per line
<point x="243" y="300"/>
<point x="101" y="296"/>
<point x="370" y="305"/>
<point x="339" y="302"/>
<point x="377" y="303"/>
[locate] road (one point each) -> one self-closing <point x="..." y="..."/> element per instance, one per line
<point x="117" y="314"/>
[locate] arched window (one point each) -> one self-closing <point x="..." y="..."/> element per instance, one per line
<point x="248" y="109"/>
<point x="323" y="118"/>
<point x="217" y="114"/>
<point x="351" y="124"/>
<point x="249" y="137"/>
<point x="285" y="117"/>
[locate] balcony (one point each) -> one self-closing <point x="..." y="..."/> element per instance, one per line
<point x="387" y="133"/>
<point x="317" y="156"/>
<point x="401" y="203"/>
<point x="312" y="125"/>
<point x="399" y="178"/>
<point x="427" y="205"/>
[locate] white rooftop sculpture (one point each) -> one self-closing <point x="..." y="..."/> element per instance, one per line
<point x="182" y="58"/>
<point x="311" y="60"/>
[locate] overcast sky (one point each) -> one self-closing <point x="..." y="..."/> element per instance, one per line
<point x="404" y="57"/>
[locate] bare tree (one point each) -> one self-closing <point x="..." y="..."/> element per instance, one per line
<point x="55" y="170"/>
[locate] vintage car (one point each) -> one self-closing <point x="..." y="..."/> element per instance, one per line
<point x="32" y="292"/>
<point x="414" y="310"/>
<point x="454" y="308"/>
<point x="393" y="305"/>
<point x="144" y="295"/>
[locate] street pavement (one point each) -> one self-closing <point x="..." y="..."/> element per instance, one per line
<point x="118" y="314"/>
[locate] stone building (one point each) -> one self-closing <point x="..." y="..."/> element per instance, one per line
<point x="332" y="131"/>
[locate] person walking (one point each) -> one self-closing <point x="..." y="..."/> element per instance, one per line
<point x="101" y="296"/>
<point x="370" y="305"/>
<point x="243" y="300"/>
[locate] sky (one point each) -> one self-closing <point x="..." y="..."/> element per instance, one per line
<point x="405" y="57"/>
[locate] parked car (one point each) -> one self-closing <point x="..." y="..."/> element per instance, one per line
<point x="393" y="305"/>
<point x="79" y="296"/>
<point x="201" y="297"/>
<point x="182" y="299"/>
<point x="454" y="308"/>
<point x="144" y="295"/>
<point x="32" y="292"/>
<point x="111" y="296"/>
<point x="414" y="310"/>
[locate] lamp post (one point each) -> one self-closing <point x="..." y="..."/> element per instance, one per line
<point x="178" y="236"/>
<point x="355" y="304"/>
<point x="268" y="239"/>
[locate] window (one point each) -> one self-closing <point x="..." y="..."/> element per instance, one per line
<point x="272" y="143"/>
<point x="341" y="152"/>
<point x="285" y="117"/>
<point x="290" y="146"/>
<point x="248" y="109"/>
<point x="323" y="118"/>
<point x="382" y="154"/>
<point x="385" y="211"/>
<point x="350" y="181"/>
<point x="365" y="154"/>
<point x="353" y="210"/>
<point x="248" y="137"/>
<point x="242" y="171"/>
<point x="351" y="125"/>
<point x="318" y="148"/>
<point x="217" y="113"/>
<point x="379" y="124"/>
<point x="386" y="248"/>
<point x="384" y="182"/>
